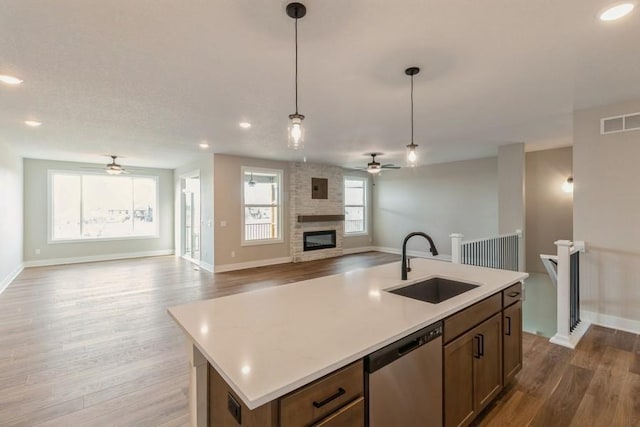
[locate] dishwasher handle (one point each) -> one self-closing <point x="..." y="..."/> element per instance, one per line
<point x="411" y="345"/>
<point x="398" y="349"/>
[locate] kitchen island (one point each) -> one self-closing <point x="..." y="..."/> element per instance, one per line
<point x="265" y="344"/>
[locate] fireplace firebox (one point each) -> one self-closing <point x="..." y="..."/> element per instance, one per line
<point x="313" y="240"/>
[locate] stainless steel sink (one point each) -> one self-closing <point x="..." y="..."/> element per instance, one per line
<point x="434" y="290"/>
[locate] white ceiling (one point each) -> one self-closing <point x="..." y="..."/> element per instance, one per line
<point x="150" y="79"/>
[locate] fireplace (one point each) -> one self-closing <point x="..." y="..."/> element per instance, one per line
<point x="313" y="240"/>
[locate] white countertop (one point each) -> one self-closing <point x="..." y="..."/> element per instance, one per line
<point x="269" y="342"/>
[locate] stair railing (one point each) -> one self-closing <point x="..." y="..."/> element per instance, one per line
<point x="570" y="327"/>
<point x="504" y="251"/>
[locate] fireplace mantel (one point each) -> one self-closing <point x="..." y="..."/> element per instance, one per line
<point x="320" y="218"/>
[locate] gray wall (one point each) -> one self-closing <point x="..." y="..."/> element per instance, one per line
<point x="511" y="198"/>
<point x="606" y="214"/>
<point x="457" y="197"/>
<point x="205" y="166"/>
<point x="549" y="210"/>
<point x="11" y="230"/>
<point x="227" y="179"/>
<point x="36" y="212"/>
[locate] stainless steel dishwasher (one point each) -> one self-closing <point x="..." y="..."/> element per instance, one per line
<point x="404" y="381"/>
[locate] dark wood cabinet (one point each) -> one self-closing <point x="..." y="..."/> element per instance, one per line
<point x="458" y="381"/>
<point x="487" y="368"/>
<point x="512" y="341"/>
<point x="335" y="400"/>
<point x="472" y="371"/>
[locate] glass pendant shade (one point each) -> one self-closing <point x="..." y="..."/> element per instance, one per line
<point x="296" y="131"/>
<point x="412" y="155"/>
<point x="567" y="186"/>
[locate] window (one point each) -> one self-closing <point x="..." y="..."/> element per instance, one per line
<point x="262" y="206"/>
<point x="93" y="206"/>
<point x="355" y="197"/>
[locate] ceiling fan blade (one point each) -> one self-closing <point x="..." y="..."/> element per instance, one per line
<point x="390" y="167"/>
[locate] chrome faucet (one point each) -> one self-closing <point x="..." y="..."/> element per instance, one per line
<point x="406" y="267"/>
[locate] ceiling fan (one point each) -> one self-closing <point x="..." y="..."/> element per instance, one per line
<point x="112" y="168"/>
<point x="115" y="169"/>
<point x="374" y="167"/>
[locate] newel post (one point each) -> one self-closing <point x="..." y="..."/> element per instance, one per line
<point x="564" y="272"/>
<point x="521" y="253"/>
<point x="456" y="248"/>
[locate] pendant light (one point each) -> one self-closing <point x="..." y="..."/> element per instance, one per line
<point x="296" y="130"/>
<point x="412" y="156"/>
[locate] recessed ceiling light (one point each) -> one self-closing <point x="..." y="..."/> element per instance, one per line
<point x="32" y="123"/>
<point x="204" y="145"/>
<point x="10" y="80"/>
<point x="616" y="12"/>
<point x="245" y="125"/>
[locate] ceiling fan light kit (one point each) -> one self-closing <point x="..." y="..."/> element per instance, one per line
<point x="113" y="168"/>
<point x="412" y="155"/>
<point x="374" y="167"/>
<point x="296" y="129"/>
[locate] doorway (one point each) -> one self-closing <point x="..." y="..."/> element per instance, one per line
<point x="191" y="216"/>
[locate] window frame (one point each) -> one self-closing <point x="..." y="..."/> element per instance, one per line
<point x="280" y="229"/>
<point x="365" y="196"/>
<point x="50" y="220"/>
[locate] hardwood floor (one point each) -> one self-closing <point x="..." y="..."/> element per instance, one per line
<point x="597" y="384"/>
<point x="91" y="344"/>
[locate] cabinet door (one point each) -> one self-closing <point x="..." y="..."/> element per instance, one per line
<point x="458" y="381"/>
<point x="487" y="361"/>
<point x="512" y="323"/>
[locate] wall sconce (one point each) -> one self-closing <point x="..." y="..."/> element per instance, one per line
<point x="567" y="186"/>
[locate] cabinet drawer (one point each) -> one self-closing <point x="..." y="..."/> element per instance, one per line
<point x="461" y="322"/>
<point x="351" y="415"/>
<point x="512" y="294"/>
<point x="320" y="398"/>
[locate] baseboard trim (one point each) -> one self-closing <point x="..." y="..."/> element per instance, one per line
<point x="574" y="338"/>
<point x="613" y="322"/>
<point x="419" y="254"/>
<point x="95" y="258"/>
<point x="358" y="250"/>
<point x="4" y="283"/>
<point x="206" y="266"/>
<point x="251" y="264"/>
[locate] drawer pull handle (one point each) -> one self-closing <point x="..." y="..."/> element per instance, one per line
<point x="334" y="396"/>
<point x="513" y="294"/>
<point x="508" y="325"/>
<point x="477" y="350"/>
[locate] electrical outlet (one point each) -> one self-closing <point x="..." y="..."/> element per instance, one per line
<point x="223" y="223"/>
<point x="37" y="251"/>
<point x="233" y="254"/>
<point x="234" y="408"/>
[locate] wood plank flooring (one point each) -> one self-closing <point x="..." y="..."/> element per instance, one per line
<point x="91" y="345"/>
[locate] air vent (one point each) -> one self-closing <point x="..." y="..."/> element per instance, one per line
<point x="617" y="124"/>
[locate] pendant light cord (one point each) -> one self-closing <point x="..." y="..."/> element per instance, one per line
<point x="296" y="27"/>
<point x="411" y="109"/>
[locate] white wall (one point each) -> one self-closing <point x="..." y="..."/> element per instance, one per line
<point x="205" y="166"/>
<point x="11" y="229"/>
<point x="457" y="197"/>
<point x="606" y="216"/>
<point x="36" y="221"/>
